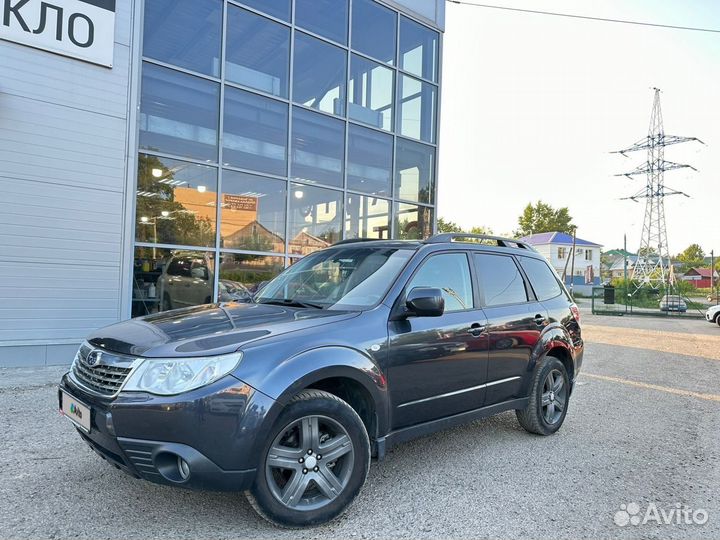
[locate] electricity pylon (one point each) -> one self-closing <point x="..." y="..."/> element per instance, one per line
<point x="653" y="257"/>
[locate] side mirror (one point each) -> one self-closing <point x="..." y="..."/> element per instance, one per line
<point x="425" y="302"/>
<point x="199" y="272"/>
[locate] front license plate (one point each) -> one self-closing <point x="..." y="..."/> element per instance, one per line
<point x="78" y="412"/>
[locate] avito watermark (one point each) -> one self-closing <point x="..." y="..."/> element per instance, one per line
<point x="679" y="514"/>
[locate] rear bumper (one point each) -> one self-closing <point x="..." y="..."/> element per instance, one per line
<point x="215" y="430"/>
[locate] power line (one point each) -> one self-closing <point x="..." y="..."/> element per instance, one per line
<point x="587" y="17"/>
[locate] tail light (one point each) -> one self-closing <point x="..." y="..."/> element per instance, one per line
<point x="575" y="312"/>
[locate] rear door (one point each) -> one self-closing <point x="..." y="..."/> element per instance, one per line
<point x="437" y="365"/>
<point x="515" y="322"/>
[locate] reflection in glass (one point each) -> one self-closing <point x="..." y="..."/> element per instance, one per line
<point x="417" y="109"/>
<point x="367" y="217"/>
<point x="414" y="171"/>
<point x="327" y="18"/>
<point x="319" y="75"/>
<point x="369" y="161"/>
<point x="176" y="202"/>
<point x="276" y="8"/>
<point x="370" y="93"/>
<point x="179" y="113"/>
<point x="255" y="132"/>
<point x="166" y="279"/>
<point x="241" y="276"/>
<point x="373" y="30"/>
<point x="171" y="24"/>
<point x="257" y="53"/>
<point x="418" y="49"/>
<point x="252" y="212"/>
<point x="315" y="218"/>
<point x="318" y="148"/>
<point x="413" y="222"/>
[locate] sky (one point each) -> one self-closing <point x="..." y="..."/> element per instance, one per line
<point x="532" y="106"/>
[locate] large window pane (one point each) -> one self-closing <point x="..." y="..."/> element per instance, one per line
<point x="241" y="276"/>
<point x="417" y="109"/>
<point x="369" y="161"/>
<point x="166" y="279"/>
<point x="276" y="8"/>
<point x="257" y="53"/>
<point x="179" y="113"/>
<point x="318" y="148"/>
<point x="414" y="172"/>
<point x="176" y="202"/>
<point x="252" y="212"/>
<point x="413" y="222"/>
<point x="325" y="17"/>
<point x="367" y="217"/>
<point x="370" y="93"/>
<point x="319" y="74"/>
<point x="255" y="132"/>
<point x="450" y="273"/>
<point x="418" y="49"/>
<point x="315" y="218"/>
<point x="373" y="30"/>
<point x="184" y="33"/>
<point x="500" y="280"/>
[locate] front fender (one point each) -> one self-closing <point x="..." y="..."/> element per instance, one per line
<point x="290" y="376"/>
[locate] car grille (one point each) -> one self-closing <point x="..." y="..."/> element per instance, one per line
<point x="105" y="377"/>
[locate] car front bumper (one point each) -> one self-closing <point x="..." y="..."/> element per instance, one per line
<point x="216" y="430"/>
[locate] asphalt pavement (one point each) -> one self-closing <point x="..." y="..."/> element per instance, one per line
<point x="642" y="433"/>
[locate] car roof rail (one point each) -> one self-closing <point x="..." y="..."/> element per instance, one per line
<point x="479" y="238"/>
<point x="354" y="240"/>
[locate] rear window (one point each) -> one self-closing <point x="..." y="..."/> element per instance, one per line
<point x="542" y="278"/>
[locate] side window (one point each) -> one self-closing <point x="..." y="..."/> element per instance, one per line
<point x="450" y="273"/>
<point x="542" y="279"/>
<point x="500" y="280"/>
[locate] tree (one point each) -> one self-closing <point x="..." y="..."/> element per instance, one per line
<point x="447" y="226"/>
<point x="544" y="218"/>
<point x="692" y="256"/>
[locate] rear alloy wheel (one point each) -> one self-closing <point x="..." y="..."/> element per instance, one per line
<point x="547" y="407"/>
<point x="315" y="464"/>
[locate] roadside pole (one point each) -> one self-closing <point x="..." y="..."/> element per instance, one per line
<point x="625" y="293"/>
<point x="572" y="268"/>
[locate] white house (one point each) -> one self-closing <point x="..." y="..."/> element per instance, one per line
<point x="556" y="247"/>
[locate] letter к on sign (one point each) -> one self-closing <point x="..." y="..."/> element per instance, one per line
<point x="82" y="29"/>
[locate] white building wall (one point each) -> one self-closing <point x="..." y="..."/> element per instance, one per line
<point x="63" y="160"/>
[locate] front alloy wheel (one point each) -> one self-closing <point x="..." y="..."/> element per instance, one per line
<point x="309" y="463"/>
<point x="314" y="464"/>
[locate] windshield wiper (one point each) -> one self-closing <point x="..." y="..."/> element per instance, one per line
<point x="290" y="302"/>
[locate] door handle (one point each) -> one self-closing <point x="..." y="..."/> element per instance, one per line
<point x="539" y="319"/>
<point x="476" y="329"/>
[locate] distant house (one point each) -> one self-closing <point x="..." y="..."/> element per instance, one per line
<point x="556" y="247"/>
<point x="700" y="277"/>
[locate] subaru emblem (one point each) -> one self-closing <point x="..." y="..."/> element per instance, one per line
<point x="93" y="358"/>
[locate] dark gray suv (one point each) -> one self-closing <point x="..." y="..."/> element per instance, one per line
<point x="347" y="353"/>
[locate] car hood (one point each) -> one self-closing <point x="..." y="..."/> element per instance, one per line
<point x="209" y="329"/>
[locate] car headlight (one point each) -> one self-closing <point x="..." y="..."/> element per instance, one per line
<point x="169" y="376"/>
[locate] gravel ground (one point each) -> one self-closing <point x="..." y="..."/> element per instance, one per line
<point x="621" y="444"/>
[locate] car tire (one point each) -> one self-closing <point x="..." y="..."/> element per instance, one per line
<point x="289" y="494"/>
<point x="717" y="319"/>
<point x="550" y="392"/>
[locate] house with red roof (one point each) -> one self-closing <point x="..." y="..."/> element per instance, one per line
<point x="700" y="277"/>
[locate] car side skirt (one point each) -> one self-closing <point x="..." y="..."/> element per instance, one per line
<point x="383" y="444"/>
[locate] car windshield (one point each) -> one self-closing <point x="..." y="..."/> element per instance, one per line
<point x="345" y="277"/>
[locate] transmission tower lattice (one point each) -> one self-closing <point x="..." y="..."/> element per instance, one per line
<point x="653" y="257"/>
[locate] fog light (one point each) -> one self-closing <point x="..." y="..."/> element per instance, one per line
<point x="184" y="468"/>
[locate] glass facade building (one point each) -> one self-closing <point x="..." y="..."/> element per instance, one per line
<point x="269" y="129"/>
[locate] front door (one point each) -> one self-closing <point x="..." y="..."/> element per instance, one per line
<point x="515" y="321"/>
<point x="437" y="365"/>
